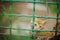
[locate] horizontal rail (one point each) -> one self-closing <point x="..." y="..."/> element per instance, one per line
<point x="31" y="2"/>
<point x="29" y="29"/>
<point x="30" y="16"/>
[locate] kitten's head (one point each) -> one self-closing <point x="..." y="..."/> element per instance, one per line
<point x="38" y="23"/>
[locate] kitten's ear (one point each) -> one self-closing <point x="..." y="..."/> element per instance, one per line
<point x="44" y="21"/>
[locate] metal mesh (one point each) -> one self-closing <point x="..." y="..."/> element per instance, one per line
<point x="33" y="16"/>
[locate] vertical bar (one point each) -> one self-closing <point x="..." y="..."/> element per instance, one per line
<point x="47" y="7"/>
<point x="57" y="17"/>
<point x="10" y="20"/>
<point x="33" y="14"/>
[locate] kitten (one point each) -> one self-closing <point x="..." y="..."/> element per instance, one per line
<point x="39" y="25"/>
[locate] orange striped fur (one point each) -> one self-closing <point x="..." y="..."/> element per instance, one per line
<point x="40" y="26"/>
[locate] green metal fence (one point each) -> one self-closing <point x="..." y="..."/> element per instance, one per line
<point x="11" y="37"/>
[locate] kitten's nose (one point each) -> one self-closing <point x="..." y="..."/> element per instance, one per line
<point x="36" y="27"/>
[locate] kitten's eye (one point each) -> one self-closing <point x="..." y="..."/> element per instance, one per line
<point x="39" y="26"/>
<point x="35" y="24"/>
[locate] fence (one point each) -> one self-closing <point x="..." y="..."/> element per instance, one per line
<point x="32" y="16"/>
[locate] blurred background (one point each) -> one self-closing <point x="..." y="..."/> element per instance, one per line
<point x="12" y="24"/>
